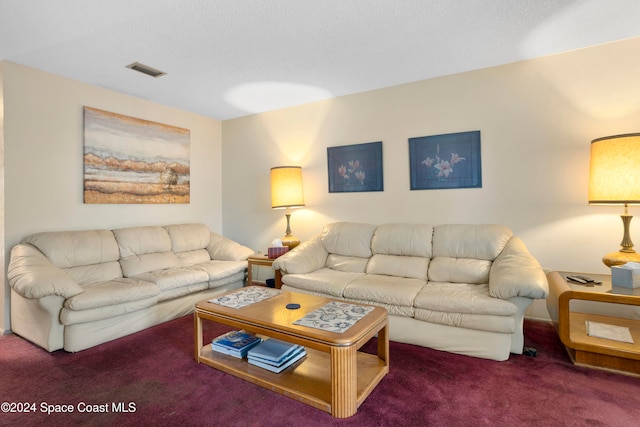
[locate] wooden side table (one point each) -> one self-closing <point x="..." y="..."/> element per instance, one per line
<point x="265" y="261"/>
<point x="585" y="350"/>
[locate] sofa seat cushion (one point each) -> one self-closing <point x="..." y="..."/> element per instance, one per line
<point x="225" y="280"/>
<point x="112" y="292"/>
<point x="221" y="278"/>
<point x="72" y="317"/>
<point x="381" y="289"/>
<point x="324" y="281"/>
<point x="462" y="298"/>
<point x="393" y="310"/>
<point x="182" y="291"/>
<point x="478" y="322"/>
<point x="217" y="270"/>
<point x="172" y="278"/>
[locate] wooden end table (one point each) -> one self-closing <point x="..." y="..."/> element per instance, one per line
<point x="585" y="350"/>
<point x="334" y="376"/>
<point x="265" y="261"/>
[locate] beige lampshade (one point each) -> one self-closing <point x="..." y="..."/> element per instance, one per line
<point x="614" y="178"/>
<point x="614" y="175"/>
<point x="286" y="187"/>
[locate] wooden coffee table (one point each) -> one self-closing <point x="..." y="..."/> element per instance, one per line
<point x="334" y="376"/>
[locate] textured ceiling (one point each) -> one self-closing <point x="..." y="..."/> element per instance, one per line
<point x="230" y="58"/>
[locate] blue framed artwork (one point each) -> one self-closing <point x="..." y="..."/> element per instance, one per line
<point x="354" y="168"/>
<point x="445" y="161"/>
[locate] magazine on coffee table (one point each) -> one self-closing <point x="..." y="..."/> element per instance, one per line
<point x="235" y="343"/>
<point x="610" y="332"/>
<point x="275" y="355"/>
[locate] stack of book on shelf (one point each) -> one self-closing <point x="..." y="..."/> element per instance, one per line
<point x="275" y="355"/>
<point x="235" y="343"/>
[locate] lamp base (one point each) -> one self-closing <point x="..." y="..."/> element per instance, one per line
<point x="619" y="258"/>
<point x="290" y="241"/>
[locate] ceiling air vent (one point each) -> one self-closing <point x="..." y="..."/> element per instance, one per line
<point x="146" y="69"/>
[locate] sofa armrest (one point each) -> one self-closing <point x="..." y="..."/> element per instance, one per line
<point x="305" y="258"/>
<point x="516" y="273"/>
<point x="33" y="276"/>
<point x="225" y="249"/>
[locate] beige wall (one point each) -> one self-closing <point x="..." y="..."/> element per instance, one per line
<point x="536" y="118"/>
<point x="43" y="149"/>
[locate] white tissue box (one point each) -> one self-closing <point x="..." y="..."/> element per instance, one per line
<point x="626" y="275"/>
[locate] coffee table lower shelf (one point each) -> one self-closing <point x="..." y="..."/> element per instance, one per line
<point x="308" y="381"/>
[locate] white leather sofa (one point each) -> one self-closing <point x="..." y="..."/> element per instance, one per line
<point x="77" y="289"/>
<point x="457" y="288"/>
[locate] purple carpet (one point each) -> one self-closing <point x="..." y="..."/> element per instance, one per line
<point x="150" y="378"/>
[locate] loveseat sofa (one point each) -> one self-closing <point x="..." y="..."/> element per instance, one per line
<point x="77" y="289"/>
<point x="457" y="288"/>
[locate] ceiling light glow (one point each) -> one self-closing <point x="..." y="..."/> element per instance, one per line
<point x="257" y="97"/>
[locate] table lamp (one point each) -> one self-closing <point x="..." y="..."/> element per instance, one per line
<point x="286" y="192"/>
<point x="614" y="178"/>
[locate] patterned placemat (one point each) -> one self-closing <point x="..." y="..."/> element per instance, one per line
<point x="245" y="297"/>
<point x="334" y="317"/>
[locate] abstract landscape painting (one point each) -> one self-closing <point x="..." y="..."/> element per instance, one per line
<point x="130" y="160"/>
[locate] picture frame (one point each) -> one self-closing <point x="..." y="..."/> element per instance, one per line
<point x="355" y="168"/>
<point x="445" y="161"/>
<point x="128" y="160"/>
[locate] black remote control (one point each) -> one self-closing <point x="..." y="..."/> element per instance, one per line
<point x="582" y="279"/>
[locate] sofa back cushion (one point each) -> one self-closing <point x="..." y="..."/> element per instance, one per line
<point x="401" y="266"/>
<point x="348" y="239"/>
<point x="66" y="249"/>
<point x="347" y="263"/>
<point x="140" y="264"/>
<point x="464" y="253"/>
<point x="189" y="242"/>
<point x="348" y="245"/>
<point x="403" y="239"/>
<point x="142" y="240"/>
<point x="188" y="237"/>
<point x="402" y="250"/>
<point x="462" y="270"/>
<point x="87" y="256"/>
<point x="145" y="249"/>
